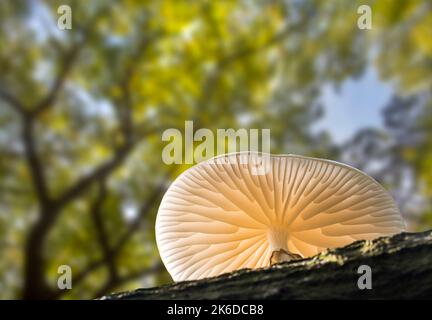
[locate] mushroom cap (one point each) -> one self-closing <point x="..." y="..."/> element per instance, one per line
<point x="222" y="215"/>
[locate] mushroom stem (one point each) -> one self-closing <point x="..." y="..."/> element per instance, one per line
<point x="278" y="239"/>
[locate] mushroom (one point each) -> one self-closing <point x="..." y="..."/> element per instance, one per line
<point x="222" y="214"/>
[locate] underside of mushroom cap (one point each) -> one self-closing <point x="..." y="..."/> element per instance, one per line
<point x="224" y="214"/>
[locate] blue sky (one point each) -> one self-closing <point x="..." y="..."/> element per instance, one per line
<point x="357" y="104"/>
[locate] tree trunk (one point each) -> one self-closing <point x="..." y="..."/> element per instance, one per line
<point x="35" y="285"/>
<point x="401" y="268"/>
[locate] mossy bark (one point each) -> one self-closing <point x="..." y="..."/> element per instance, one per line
<point x="401" y="268"/>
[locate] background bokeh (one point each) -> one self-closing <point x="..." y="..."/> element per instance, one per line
<point x="82" y="112"/>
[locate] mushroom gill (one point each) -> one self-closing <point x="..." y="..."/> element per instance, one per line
<point x="222" y="215"/>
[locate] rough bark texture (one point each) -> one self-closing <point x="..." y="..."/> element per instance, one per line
<point x="401" y="268"/>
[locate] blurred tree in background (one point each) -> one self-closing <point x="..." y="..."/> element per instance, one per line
<point x="82" y="112"/>
<point x="400" y="156"/>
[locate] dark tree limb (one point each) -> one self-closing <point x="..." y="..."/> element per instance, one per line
<point x="13" y="102"/>
<point x="134" y="275"/>
<point x="101" y="172"/>
<point x="102" y="236"/>
<point x="133" y="227"/>
<point x="125" y="120"/>
<point x="34" y="164"/>
<point x="79" y="277"/>
<point x="68" y="61"/>
<point x="115" y="249"/>
<point x="35" y="284"/>
<point x="401" y="269"/>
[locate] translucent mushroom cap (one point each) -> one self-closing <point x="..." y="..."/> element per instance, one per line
<point x="223" y="214"/>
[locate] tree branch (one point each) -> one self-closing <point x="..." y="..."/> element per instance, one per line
<point x="82" y="275"/>
<point x="132" y="228"/>
<point x="34" y="163"/>
<point x="101" y="172"/>
<point x="129" y="277"/>
<point x="401" y="264"/>
<point x="143" y="211"/>
<point x="68" y="61"/>
<point x="13" y="102"/>
<point x="125" y="106"/>
<point x="126" y="127"/>
<point x="101" y="232"/>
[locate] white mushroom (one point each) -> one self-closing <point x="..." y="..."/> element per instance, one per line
<point x="220" y="215"/>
